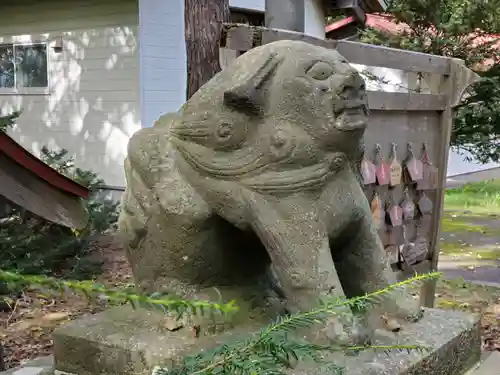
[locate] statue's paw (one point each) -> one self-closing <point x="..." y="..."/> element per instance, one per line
<point x="353" y="334"/>
<point x="407" y="309"/>
<point x="415" y="316"/>
<point x="361" y="334"/>
<point x="411" y="312"/>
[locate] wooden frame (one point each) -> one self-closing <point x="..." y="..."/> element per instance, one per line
<point x="454" y="79"/>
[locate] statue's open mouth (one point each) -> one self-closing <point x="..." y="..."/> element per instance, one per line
<point x="351" y="119"/>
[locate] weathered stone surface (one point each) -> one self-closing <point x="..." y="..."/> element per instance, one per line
<point x="252" y="188"/>
<point x="126" y="341"/>
<point x="122" y="341"/>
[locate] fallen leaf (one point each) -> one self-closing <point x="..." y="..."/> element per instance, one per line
<point x="171" y="323"/>
<point x="56" y="316"/>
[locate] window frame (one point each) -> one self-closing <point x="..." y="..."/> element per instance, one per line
<point x="27" y="90"/>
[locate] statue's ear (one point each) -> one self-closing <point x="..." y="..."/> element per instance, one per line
<point x="250" y="96"/>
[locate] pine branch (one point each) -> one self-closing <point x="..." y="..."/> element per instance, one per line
<point x="120" y="296"/>
<point x="274" y="349"/>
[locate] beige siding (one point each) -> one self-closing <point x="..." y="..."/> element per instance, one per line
<point x="93" y="103"/>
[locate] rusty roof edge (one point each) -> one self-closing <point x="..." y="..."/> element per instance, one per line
<point x="27" y="160"/>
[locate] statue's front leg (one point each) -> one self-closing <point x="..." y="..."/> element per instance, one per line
<point x="297" y="243"/>
<point x="364" y="268"/>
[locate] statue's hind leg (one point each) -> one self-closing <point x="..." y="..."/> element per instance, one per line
<point x="161" y="246"/>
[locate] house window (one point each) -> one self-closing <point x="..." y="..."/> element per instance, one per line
<point x="23" y="68"/>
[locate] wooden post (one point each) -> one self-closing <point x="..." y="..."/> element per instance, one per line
<point x="459" y="79"/>
<point x="285" y="14"/>
<point x="428" y="291"/>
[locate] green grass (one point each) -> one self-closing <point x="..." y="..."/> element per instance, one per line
<point x="477" y="197"/>
<point x="478" y="253"/>
<point x="459" y="294"/>
<point x="454" y="225"/>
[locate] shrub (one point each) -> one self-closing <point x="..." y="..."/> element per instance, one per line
<point x="30" y="244"/>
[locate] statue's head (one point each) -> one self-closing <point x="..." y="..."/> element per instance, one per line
<point x="287" y="105"/>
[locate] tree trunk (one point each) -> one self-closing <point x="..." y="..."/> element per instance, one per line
<point x="203" y="27"/>
<point x="2" y="363"/>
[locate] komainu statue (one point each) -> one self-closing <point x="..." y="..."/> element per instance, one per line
<point x="252" y="189"/>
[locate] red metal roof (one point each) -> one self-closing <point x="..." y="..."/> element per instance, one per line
<point x="382" y="22"/>
<point x="385" y="23"/>
<point x="28" y="161"/>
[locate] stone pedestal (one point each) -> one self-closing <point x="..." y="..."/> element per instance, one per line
<point x="123" y="341"/>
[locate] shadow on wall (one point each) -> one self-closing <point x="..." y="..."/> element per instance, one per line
<point x="92" y="105"/>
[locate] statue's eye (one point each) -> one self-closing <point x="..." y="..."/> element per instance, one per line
<point x="229" y="134"/>
<point x="225" y="131"/>
<point x="320" y="71"/>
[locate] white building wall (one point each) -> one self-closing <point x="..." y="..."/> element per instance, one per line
<point x="162" y="58"/>
<point x="259" y="5"/>
<point x="92" y="104"/>
<point x="314" y="23"/>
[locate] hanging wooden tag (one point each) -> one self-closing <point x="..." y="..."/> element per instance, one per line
<point x="421" y="249"/>
<point x="410" y="252"/>
<point x="413" y="253"/>
<point x="429" y="173"/>
<point x="408" y="206"/>
<point x="421" y="242"/>
<point x="393" y="257"/>
<point x="425" y="204"/>
<point x="396" y="171"/>
<point x="377" y="211"/>
<point x="382" y="168"/>
<point x="368" y="171"/>
<point x="413" y="165"/>
<point x="394" y="213"/>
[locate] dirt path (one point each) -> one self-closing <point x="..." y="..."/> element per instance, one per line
<point x="26" y="331"/>
<point x="471" y="248"/>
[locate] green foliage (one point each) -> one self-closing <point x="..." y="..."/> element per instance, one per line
<point x="460" y="29"/>
<point x="276" y="348"/>
<point x="477" y="125"/>
<point x="33" y="245"/>
<point x="8" y="121"/>
<point x="92" y="290"/>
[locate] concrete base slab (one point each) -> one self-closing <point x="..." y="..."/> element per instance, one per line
<point x="37" y="366"/>
<point x="123" y="341"/>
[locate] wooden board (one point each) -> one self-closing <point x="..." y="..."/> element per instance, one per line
<point x="394" y="101"/>
<point x="244" y="37"/>
<point x="401" y="127"/>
